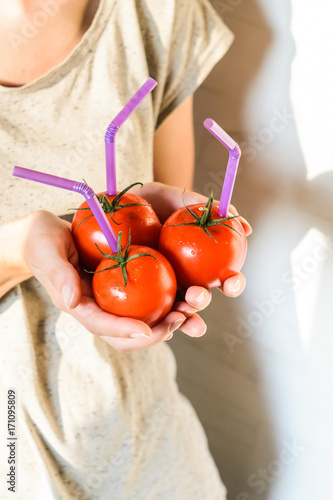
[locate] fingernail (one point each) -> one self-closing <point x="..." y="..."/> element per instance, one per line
<point x="68" y="295"/>
<point x="176" y="325"/>
<point x="139" y="335"/>
<point x="189" y="311"/>
<point x="169" y="337"/>
<point x="200" y="298"/>
<point x="236" y="287"/>
<point x="203" y="333"/>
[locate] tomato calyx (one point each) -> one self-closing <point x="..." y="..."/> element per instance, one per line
<point x="205" y="219"/>
<point x="110" y="207"/>
<point x="121" y="258"/>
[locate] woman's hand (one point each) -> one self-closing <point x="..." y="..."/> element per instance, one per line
<point x="166" y="200"/>
<point x="235" y="285"/>
<point x="44" y="248"/>
<point x="41" y="244"/>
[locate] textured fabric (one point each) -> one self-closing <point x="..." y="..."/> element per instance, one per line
<point x="93" y="423"/>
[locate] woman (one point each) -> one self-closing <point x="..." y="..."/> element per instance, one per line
<point x="95" y="422"/>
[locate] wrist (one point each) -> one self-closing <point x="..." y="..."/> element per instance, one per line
<point x="14" y="268"/>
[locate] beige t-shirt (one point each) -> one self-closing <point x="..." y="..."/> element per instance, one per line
<point x="93" y="423"/>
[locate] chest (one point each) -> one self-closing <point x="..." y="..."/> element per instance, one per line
<point x="34" y="42"/>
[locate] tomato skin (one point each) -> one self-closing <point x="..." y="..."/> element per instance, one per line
<point x="141" y="220"/>
<point x="150" y="291"/>
<point x="195" y="257"/>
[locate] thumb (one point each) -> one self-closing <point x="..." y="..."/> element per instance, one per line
<point x="68" y="281"/>
<point x="64" y="276"/>
<point x="49" y="251"/>
<point x="234" y="286"/>
<point x="62" y="282"/>
<point x="56" y="272"/>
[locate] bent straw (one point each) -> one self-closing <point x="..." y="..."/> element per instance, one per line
<point x="79" y="187"/>
<point x="113" y="128"/>
<point x="234" y="156"/>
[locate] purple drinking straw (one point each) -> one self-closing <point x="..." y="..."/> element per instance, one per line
<point x="79" y="187"/>
<point x="113" y="128"/>
<point x="234" y="156"/>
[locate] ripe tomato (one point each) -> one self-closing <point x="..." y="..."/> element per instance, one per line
<point x="203" y="248"/>
<point x="125" y="211"/>
<point x="140" y="284"/>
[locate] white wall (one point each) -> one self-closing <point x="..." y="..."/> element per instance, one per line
<point x="261" y="379"/>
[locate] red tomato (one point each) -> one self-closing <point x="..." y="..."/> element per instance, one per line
<point x="197" y="258"/>
<point x="144" y="290"/>
<point x="140" y="218"/>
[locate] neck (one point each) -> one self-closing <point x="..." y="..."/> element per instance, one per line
<point x="17" y="11"/>
<point x="36" y="36"/>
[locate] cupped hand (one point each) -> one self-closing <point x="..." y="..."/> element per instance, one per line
<point x="49" y="253"/>
<point x="235" y="285"/>
<point x="166" y="200"/>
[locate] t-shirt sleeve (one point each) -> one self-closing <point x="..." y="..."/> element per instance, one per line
<point x="198" y="40"/>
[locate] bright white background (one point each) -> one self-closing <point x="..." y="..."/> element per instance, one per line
<point x="261" y="379"/>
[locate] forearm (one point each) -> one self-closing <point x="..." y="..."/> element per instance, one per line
<point x="13" y="269"/>
<point x="174" y="148"/>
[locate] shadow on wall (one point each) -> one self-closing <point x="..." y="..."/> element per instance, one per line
<point x="224" y="374"/>
<point x="222" y="379"/>
<point x="249" y="377"/>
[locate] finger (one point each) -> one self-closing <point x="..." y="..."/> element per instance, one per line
<point x="246" y="226"/>
<point x="198" y="297"/>
<point x="52" y="257"/>
<point x="194" y="326"/>
<point x="234" y="286"/>
<point x="161" y="332"/>
<point x="61" y="281"/>
<point x="172" y="322"/>
<point x="104" y="324"/>
<point x="184" y="308"/>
